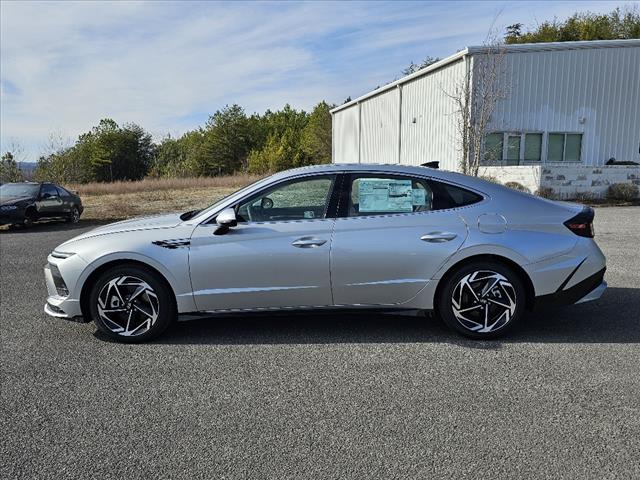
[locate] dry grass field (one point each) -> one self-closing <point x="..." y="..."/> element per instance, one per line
<point x="122" y="200"/>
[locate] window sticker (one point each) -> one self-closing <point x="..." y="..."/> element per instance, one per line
<point x="385" y="195"/>
<point x="418" y="197"/>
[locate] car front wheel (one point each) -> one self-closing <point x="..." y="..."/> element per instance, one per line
<point x="131" y="304"/>
<point x="482" y="300"/>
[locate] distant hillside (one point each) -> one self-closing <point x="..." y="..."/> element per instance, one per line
<point x="27" y="169"/>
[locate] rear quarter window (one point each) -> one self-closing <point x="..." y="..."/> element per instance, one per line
<point x="447" y="196"/>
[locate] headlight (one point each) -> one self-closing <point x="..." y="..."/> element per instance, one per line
<point x="8" y="207"/>
<point x="62" y="255"/>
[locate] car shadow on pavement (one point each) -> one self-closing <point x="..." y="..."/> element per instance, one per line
<point x="54" y="226"/>
<point x="612" y="319"/>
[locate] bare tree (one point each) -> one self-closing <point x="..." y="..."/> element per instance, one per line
<point x="57" y="142"/>
<point x="475" y="97"/>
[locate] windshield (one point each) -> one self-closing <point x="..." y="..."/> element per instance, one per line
<point x="19" y="190"/>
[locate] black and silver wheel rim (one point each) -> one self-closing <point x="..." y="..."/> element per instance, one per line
<point x="483" y="301"/>
<point x="128" y="306"/>
<point x="75" y="215"/>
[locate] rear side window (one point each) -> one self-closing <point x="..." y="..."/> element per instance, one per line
<point x="373" y="194"/>
<point x="63" y="192"/>
<point x="450" y="196"/>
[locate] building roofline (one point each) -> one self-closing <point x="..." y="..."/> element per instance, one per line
<point x="515" y="48"/>
<point x="389" y="86"/>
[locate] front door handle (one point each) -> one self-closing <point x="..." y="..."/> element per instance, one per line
<point x="308" y="242"/>
<point x="438" y="237"/>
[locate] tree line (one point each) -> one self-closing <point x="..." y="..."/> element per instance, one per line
<point x="231" y="141"/>
<point x="620" y="23"/>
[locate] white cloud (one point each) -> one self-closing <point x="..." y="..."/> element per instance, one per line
<point x="167" y="66"/>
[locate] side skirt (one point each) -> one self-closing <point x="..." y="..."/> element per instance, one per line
<point x="281" y="312"/>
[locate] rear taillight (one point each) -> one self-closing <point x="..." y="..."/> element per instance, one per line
<point x="582" y="224"/>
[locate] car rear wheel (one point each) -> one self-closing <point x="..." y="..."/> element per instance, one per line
<point x="482" y="300"/>
<point x="74" y="215"/>
<point x="131" y="304"/>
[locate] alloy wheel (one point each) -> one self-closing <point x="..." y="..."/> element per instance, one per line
<point x="128" y="306"/>
<point x="483" y="301"/>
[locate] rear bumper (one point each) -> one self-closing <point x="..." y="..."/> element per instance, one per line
<point x="591" y="288"/>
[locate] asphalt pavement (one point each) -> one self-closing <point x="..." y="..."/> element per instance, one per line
<point x="327" y="397"/>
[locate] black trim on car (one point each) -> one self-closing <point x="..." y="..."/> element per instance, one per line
<point x="569" y="277"/>
<point x="573" y="294"/>
<point x="335" y="200"/>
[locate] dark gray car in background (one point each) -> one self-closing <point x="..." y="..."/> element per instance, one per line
<point x="27" y="202"/>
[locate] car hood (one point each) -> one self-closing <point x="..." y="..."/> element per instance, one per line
<point x="14" y="200"/>
<point x="135" y="224"/>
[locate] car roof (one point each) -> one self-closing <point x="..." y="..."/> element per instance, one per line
<point x="388" y="168"/>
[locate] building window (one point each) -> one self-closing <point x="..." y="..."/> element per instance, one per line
<point x="533" y="147"/>
<point x="512" y="148"/>
<point x="564" y="147"/>
<point x="512" y="155"/>
<point x="493" y="148"/>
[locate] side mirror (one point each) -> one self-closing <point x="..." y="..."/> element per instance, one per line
<point x="45" y="196"/>
<point x="225" y="220"/>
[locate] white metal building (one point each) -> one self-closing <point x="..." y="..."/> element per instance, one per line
<point x="572" y="103"/>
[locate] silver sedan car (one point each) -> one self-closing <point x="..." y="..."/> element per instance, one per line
<point x="380" y="237"/>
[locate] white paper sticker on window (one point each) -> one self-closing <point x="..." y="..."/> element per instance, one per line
<point x="419" y="196"/>
<point x="385" y="195"/>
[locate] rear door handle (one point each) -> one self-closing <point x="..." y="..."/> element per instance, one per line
<point x="308" y="242"/>
<point x="438" y="237"/>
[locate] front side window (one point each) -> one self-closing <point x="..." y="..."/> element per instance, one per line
<point x="48" y="190"/>
<point x="383" y="195"/>
<point x="303" y="199"/>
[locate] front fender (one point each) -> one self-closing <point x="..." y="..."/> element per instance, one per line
<point x="178" y="278"/>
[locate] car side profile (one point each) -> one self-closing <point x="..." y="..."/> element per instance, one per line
<point x="27" y="202"/>
<point x="383" y="237"/>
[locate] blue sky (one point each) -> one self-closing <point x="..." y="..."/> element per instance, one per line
<point x="168" y="65"/>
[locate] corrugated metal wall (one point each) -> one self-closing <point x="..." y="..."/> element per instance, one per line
<point x="428" y="124"/>
<point x="379" y="123"/>
<point x="595" y="92"/>
<point x="346" y="135"/>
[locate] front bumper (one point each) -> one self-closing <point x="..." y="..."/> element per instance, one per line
<point x="11" y="217"/>
<point x="60" y="306"/>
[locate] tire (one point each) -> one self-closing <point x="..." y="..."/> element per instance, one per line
<point x="148" y="313"/>
<point x="74" y="216"/>
<point x="29" y="218"/>
<point x="481" y="300"/>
